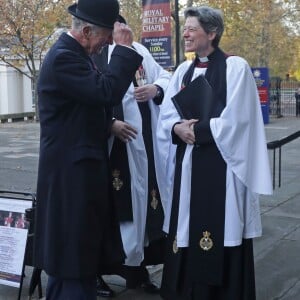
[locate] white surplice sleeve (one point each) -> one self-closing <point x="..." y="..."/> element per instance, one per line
<point x="239" y="131"/>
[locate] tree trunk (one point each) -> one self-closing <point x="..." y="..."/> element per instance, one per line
<point x="35" y="96"/>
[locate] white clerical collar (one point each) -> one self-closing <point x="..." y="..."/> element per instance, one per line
<point x="203" y="59"/>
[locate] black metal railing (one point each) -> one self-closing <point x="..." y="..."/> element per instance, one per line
<point x="282" y="97"/>
<point x="277" y="144"/>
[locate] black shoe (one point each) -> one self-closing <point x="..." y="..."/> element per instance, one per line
<point x="150" y="288"/>
<point x="147" y="286"/>
<point x="103" y="290"/>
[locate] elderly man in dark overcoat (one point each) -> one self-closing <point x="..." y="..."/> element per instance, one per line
<point x="75" y="232"/>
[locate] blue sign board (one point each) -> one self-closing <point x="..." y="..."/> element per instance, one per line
<point x="261" y="76"/>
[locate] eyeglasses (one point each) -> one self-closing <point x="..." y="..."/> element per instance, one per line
<point x="190" y="29"/>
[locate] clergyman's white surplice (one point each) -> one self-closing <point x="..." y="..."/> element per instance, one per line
<point x="240" y="138"/>
<point x="133" y="233"/>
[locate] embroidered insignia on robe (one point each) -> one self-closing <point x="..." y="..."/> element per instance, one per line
<point x="175" y="248"/>
<point x="117" y="182"/>
<point x="154" y="201"/>
<point x="206" y="242"/>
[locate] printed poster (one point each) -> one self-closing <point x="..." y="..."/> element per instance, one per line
<point x="156" y="30"/>
<point x="13" y="238"/>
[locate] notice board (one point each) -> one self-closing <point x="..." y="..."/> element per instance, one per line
<point x="13" y="238"/>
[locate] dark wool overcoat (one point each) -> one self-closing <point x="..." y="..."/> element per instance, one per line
<point x="75" y="229"/>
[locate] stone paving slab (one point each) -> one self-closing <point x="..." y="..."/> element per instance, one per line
<point x="277" y="258"/>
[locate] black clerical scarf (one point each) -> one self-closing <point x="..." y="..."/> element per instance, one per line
<point x="208" y="187"/>
<point x="119" y="165"/>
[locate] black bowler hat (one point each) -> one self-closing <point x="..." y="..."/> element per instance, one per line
<point x="121" y="19"/>
<point x="98" y="12"/>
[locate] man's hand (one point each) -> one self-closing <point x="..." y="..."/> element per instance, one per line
<point x="122" y="34"/>
<point x="185" y="131"/>
<point x="145" y="92"/>
<point x="123" y="131"/>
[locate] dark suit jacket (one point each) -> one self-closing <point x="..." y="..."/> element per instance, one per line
<point x="74" y="217"/>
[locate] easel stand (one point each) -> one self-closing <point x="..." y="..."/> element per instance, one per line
<point x="29" y="217"/>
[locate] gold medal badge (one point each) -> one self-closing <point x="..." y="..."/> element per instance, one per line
<point x="117" y="182"/>
<point x="206" y="242"/>
<point x="140" y="76"/>
<point x="175" y="248"/>
<point x="154" y="201"/>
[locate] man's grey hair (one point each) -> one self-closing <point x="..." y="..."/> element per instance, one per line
<point x="78" y="25"/>
<point x="210" y="19"/>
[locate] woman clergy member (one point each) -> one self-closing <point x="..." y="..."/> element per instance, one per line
<point x="214" y="166"/>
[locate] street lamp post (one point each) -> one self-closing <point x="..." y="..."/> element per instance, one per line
<point x="177" y="34"/>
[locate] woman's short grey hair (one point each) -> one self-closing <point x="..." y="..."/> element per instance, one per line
<point x="210" y="19"/>
<point x="78" y="24"/>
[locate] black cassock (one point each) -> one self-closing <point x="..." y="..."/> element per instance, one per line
<point x="206" y="270"/>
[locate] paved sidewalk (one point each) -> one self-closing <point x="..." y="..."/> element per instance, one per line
<point x="277" y="257"/>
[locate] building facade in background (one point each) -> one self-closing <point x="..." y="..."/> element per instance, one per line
<point x="15" y="91"/>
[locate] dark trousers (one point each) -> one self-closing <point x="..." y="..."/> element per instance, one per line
<point x="71" y="289"/>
